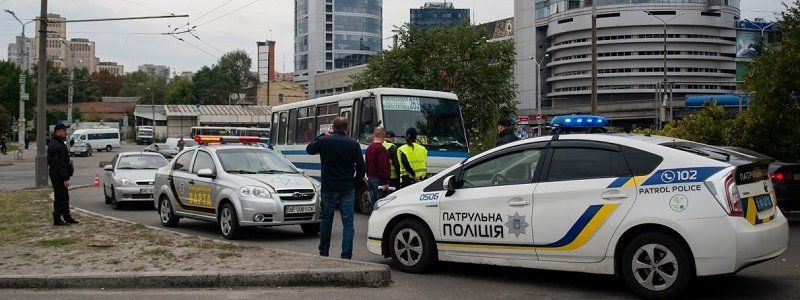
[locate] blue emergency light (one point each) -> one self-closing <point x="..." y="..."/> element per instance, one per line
<point x="578" y="121"/>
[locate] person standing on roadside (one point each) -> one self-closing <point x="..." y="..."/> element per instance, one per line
<point x="378" y="167"/>
<point x="394" y="175"/>
<point x="3" y="146"/>
<point x="60" y="169"/>
<point x="342" y="172"/>
<point x="181" y="144"/>
<point x="505" y="132"/>
<point x="413" y="160"/>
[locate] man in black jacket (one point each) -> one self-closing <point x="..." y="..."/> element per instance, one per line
<point x="505" y="129"/>
<point x="342" y="172"/>
<point x="60" y="171"/>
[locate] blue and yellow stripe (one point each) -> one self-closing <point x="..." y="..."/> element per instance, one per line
<point x="627" y="181"/>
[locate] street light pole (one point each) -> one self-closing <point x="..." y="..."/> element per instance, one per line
<point x="761" y="37"/>
<point x="23" y="96"/>
<point x="41" y="109"/>
<point x="538" y="90"/>
<point x="70" y="89"/>
<point x="665" y="96"/>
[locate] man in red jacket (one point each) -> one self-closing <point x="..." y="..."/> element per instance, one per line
<point x="377" y="166"/>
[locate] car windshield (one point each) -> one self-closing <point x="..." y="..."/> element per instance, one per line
<point x="254" y="161"/>
<point x="140" y="162"/>
<point x="438" y="121"/>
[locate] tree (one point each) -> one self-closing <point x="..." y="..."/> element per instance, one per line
<point x="212" y="86"/>
<point x="712" y="126"/>
<point x="9" y="91"/>
<point x="6" y="122"/>
<point x="149" y="89"/>
<point x="236" y="66"/>
<point x="180" y="91"/>
<point x="106" y="83"/>
<point x="457" y="59"/>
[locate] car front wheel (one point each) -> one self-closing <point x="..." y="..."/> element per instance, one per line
<point x="228" y="222"/>
<point x="413" y="248"/>
<point x="656" y="265"/>
<point x="166" y="214"/>
<point x="310" y="229"/>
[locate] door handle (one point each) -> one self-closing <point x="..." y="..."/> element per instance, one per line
<point x="191" y="181"/>
<point x="518" y="202"/>
<point x="614" y="196"/>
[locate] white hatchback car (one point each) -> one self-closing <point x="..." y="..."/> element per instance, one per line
<point x="656" y="211"/>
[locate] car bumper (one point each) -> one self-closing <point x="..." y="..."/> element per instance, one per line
<point x="272" y="212"/>
<point x="727" y="245"/>
<point x="133" y="194"/>
<point x="375" y="229"/>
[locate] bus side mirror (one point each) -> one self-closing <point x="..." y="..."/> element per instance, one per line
<point x="448" y="184"/>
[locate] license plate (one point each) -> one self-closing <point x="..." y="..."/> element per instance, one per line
<point x="146" y="190"/>
<point x="763" y="202"/>
<point x="299" y="209"/>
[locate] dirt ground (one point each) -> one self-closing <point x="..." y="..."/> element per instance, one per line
<point x="30" y="245"/>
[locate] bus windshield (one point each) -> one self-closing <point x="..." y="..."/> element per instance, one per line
<point x="438" y="121"/>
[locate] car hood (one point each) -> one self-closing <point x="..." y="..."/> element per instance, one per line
<point x="136" y="175"/>
<point x="283" y="181"/>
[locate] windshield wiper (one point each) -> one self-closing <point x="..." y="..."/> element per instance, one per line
<point x="275" y="172"/>
<point x="240" y="172"/>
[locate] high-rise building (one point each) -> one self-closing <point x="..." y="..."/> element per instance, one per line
<point x="110" y="67"/>
<point x="22" y="57"/>
<point x="334" y="34"/>
<point x="155" y="70"/>
<point x="187" y="74"/>
<point x="435" y="14"/>
<point x="701" y="52"/>
<point x="56" y="40"/>
<point x="80" y="54"/>
<point x="266" y="61"/>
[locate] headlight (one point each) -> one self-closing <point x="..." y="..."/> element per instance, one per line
<point x="383" y="201"/>
<point x="125" y="181"/>
<point x="253" y="191"/>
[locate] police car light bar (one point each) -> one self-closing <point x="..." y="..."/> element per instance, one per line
<point x="579" y="121"/>
<point x="229" y="139"/>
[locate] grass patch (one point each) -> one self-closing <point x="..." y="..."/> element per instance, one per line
<point x="57" y="242"/>
<point x="161" y="252"/>
<point x="224" y="255"/>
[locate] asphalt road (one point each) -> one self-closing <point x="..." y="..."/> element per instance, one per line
<point x="778" y="278"/>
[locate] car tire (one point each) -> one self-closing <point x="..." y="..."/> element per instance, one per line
<point x="668" y="277"/>
<point x="108" y="148"/>
<point x="166" y="214"/>
<point x="228" y="222"/>
<point x="310" y="229"/>
<point x="116" y="205"/>
<point x="412" y="247"/>
<point x="105" y="195"/>
<point x="363" y="202"/>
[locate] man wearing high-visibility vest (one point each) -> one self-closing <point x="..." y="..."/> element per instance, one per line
<point x="394" y="165"/>
<point x="413" y="160"/>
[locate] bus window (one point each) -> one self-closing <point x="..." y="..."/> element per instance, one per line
<point x="305" y="125"/>
<point x="292" y="128"/>
<point x="325" y="115"/>
<point x="274" y="129"/>
<point x="282" y="130"/>
<point x="368" y="119"/>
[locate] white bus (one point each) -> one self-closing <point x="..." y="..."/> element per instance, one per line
<point x="436" y="115"/>
<point x="99" y="139"/>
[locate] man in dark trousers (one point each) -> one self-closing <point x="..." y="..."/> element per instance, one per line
<point x="394" y="176"/>
<point x="378" y="167"/>
<point x="3" y="146"/>
<point x="505" y="135"/>
<point x="60" y="171"/>
<point x="342" y="173"/>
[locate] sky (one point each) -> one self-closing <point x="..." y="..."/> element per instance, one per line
<point x="222" y="26"/>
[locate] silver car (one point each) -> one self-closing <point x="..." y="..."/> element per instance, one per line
<point x="163" y="149"/>
<point x="130" y="177"/>
<point x="237" y="186"/>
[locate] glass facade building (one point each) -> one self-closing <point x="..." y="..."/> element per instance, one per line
<point x="435" y="14"/>
<point x="335" y="34"/>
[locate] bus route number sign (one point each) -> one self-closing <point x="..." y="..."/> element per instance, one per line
<point x="401" y="103"/>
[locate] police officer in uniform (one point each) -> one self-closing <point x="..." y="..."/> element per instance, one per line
<point x="394" y="162"/>
<point x="413" y="160"/>
<point x="61" y="169"/>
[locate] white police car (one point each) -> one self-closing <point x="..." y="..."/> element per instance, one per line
<point x="236" y="186"/>
<point x="656" y="211"/>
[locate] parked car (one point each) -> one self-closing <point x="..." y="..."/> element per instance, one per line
<point x="785" y="178"/>
<point x="80" y="149"/>
<point x="99" y="138"/>
<point x="163" y="149"/>
<point x="130" y="177"/>
<point x="187" y="142"/>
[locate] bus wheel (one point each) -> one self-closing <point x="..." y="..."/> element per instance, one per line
<point x="363" y="200"/>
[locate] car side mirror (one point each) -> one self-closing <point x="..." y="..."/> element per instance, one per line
<point x="449" y="185"/>
<point x="108" y="168"/>
<point x="206" y="173"/>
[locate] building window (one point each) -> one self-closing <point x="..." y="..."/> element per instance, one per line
<point x="345" y="60"/>
<point x="373" y="7"/>
<point x="357" y="42"/>
<point x="358" y="24"/>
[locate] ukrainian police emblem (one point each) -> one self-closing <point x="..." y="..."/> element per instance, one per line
<point x="516" y="224"/>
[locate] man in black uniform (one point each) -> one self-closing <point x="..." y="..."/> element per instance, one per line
<point x="505" y="135"/>
<point x="60" y="171"/>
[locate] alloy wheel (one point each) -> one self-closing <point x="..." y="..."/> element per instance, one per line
<point x="408" y="247"/>
<point x="655" y="267"/>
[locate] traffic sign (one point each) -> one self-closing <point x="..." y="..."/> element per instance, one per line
<point x="523" y="119"/>
<point x="538" y="117"/>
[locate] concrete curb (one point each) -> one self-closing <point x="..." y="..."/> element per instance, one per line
<point x="364" y="274"/>
<point x="3" y="164"/>
<point x="367" y="277"/>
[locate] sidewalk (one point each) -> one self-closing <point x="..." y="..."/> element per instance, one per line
<point x="28" y="155"/>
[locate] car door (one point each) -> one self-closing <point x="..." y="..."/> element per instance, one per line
<point x="201" y="190"/>
<point x="585" y="192"/>
<point x="489" y="214"/>
<point x="108" y="176"/>
<point x="179" y="181"/>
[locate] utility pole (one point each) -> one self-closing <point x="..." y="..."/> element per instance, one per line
<point x="23" y="96"/>
<point x="594" y="57"/>
<point x="41" y="109"/>
<point x="667" y="99"/>
<point x="538" y="90"/>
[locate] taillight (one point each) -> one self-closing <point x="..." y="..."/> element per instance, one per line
<point x="777" y="176"/>
<point x="732" y="193"/>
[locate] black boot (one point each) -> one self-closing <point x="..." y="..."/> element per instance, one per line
<point x="68" y="218"/>
<point x="57" y="220"/>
